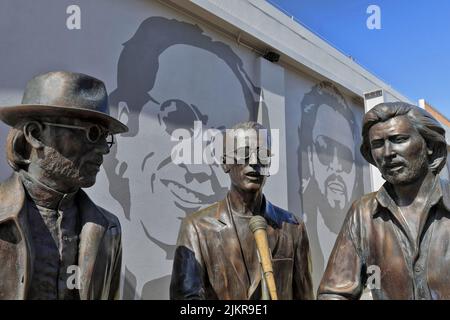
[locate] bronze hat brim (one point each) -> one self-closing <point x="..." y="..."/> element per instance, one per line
<point x="11" y="115"/>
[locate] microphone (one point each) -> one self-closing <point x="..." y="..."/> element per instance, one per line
<point x="258" y="226"/>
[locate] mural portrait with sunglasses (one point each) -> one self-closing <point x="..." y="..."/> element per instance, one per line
<point x="169" y="75"/>
<point x="330" y="172"/>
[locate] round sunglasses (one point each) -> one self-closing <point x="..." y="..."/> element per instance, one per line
<point x="93" y="132"/>
<point x="242" y="155"/>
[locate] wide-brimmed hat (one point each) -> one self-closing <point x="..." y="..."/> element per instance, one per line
<point x="64" y="94"/>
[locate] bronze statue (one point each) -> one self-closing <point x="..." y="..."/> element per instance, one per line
<point x="216" y="256"/>
<point x="396" y="241"/>
<point x="55" y="243"/>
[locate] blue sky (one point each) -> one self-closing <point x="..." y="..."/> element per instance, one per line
<point x="411" y="51"/>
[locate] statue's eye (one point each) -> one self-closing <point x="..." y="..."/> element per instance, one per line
<point x="399" y="139"/>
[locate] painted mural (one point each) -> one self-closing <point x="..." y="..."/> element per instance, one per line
<point x="169" y="74"/>
<point x="330" y="172"/>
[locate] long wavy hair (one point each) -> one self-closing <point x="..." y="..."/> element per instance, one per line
<point x="428" y="127"/>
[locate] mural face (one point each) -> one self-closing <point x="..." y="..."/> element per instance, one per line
<point x="331" y="176"/>
<point x="169" y="75"/>
<point x="333" y="162"/>
<point x="175" y="104"/>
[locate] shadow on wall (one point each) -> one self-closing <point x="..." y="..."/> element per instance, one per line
<point x="150" y="188"/>
<point x="151" y="290"/>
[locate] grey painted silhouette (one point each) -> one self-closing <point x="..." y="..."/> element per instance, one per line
<point x="328" y="165"/>
<point x="174" y="188"/>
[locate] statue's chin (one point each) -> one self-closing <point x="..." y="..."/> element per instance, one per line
<point x="87" y="182"/>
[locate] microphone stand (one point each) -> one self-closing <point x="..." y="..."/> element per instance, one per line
<point x="258" y="226"/>
<point x="265" y="295"/>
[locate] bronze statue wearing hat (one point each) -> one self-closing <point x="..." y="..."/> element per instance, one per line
<point x="55" y="243"/>
<point x="396" y="241"/>
<point x="216" y="255"/>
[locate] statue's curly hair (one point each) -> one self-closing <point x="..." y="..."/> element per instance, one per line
<point x="428" y="127"/>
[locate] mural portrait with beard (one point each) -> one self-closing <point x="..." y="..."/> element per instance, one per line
<point x="330" y="171"/>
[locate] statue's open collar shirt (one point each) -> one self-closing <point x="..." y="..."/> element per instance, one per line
<point x="376" y="247"/>
<point x="211" y="263"/>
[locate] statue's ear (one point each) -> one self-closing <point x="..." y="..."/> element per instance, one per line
<point x="32" y="132"/>
<point x="18" y="150"/>
<point x="436" y="156"/>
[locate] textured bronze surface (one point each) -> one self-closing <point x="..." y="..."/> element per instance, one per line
<point x="216" y="255"/>
<point x="396" y="240"/>
<point x="55" y="243"/>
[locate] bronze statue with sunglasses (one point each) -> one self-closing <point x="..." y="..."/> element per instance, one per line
<point x="55" y="243"/>
<point x="216" y="255"/>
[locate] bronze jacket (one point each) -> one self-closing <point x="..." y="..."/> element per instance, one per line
<point x="210" y="263"/>
<point x="100" y="250"/>
<point x="375" y="239"/>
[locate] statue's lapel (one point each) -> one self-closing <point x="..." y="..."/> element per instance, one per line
<point x="92" y="231"/>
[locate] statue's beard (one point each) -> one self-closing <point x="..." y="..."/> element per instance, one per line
<point x="56" y="167"/>
<point x="413" y="170"/>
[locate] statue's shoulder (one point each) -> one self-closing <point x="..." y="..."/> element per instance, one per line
<point x="287" y="215"/>
<point x="445" y="187"/>
<point x="11" y="194"/>
<point x="13" y="181"/>
<point x="205" y="213"/>
<point x="365" y="205"/>
<point x="280" y="215"/>
<point x="110" y="217"/>
<point x="367" y="198"/>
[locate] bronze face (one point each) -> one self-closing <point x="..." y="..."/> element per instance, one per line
<point x="70" y="154"/>
<point x="399" y="151"/>
<point x="251" y="161"/>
